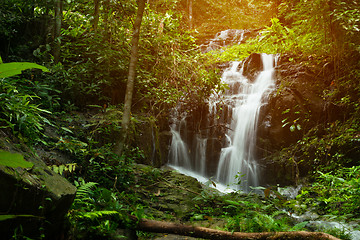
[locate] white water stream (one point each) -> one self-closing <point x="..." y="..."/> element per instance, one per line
<point x="236" y="166"/>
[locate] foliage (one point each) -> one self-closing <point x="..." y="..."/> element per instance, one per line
<point x="245" y="14"/>
<point x="243" y="212"/>
<point x="170" y="66"/>
<point x="288" y="121"/>
<point x="85" y="216"/>
<point x="100" y="164"/>
<point x="22" y="28"/>
<point x="89" y="141"/>
<point x="64" y="169"/>
<point x="324" y="148"/>
<point x="334" y="193"/>
<point x="318" y="32"/>
<point x="11" y="216"/>
<point x="20" y="112"/>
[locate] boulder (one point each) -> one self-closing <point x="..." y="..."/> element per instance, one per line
<point x="252" y="66"/>
<point x="172" y="192"/>
<point x="34" y="200"/>
<point x="295" y="107"/>
<point x="297" y="102"/>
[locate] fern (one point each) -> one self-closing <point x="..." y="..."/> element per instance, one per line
<point x="277" y="213"/>
<point x="85" y="206"/>
<point x="97" y="214"/>
<point x="84" y="191"/>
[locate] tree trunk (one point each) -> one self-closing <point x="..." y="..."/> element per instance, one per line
<point x="58" y="19"/>
<point x="106" y="6"/>
<point x="190" y="14"/>
<point x="207" y="233"/>
<point x="131" y="78"/>
<point x="96" y="14"/>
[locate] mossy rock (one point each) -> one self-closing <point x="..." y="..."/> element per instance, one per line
<point x="34" y="198"/>
<point x="170" y="192"/>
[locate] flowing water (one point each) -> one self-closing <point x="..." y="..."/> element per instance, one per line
<point x="236" y="110"/>
<point x="226" y="37"/>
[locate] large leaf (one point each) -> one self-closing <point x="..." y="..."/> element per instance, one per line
<point x="13" y="160"/>
<point x="14" y="68"/>
<point x="6" y="217"/>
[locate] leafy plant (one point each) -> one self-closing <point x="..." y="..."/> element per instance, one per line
<point x="345" y="183"/>
<point x="86" y="218"/>
<point x="294" y="124"/>
<point x="64" y="169"/>
<point x="19" y="112"/>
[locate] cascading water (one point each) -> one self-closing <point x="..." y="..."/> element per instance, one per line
<point x="225" y="37"/>
<point x="237" y="110"/>
<point x="237" y="160"/>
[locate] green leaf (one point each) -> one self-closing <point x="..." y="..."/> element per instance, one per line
<point x="55" y="168"/>
<point x="14" y="160"/>
<point x="292" y="128"/>
<point x="14" y="68"/>
<point x="61" y="169"/>
<point x="198" y="217"/>
<point x="6" y="217"/>
<point x="232" y="202"/>
<point x="286" y="111"/>
<point x="67" y="130"/>
<point x="299" y="226"/>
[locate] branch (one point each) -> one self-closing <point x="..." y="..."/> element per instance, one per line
<point x="207" y="233"/>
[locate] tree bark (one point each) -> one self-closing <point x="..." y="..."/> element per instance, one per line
<point x="96" y="14"/>
<point x="190" y="14"/>
<point x="131" y="78"/>
<point x="207" y="233"/>
<point x="58" y="20"/>
<point x="106" y="6"/>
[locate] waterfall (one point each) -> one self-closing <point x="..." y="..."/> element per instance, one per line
<point x="237" y="160"/>
<point x="236" y="110"/>
<point x="225" y="37"/>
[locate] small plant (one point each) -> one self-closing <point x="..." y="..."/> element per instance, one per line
<point x="294" y="124"/>
<point x="86" y="217"/>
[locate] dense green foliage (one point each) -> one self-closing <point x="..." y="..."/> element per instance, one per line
<point x="334" y="193"/>
<point x="91" y="77"/>
<point x="20" y="106"/>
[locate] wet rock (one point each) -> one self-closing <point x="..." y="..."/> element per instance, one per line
<point x="344" y="227"/>
<point x="124" y="234"/>
<point x="294" y="108"/>
<point x="252" y="66"/>
<point x="227" y="37"/>
<point x="152" y="142"/>
<point x="172" y="192"/>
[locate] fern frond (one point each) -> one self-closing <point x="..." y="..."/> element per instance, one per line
<point x="277" y="213"/>
<point x="97" y="214"/>
<point x="84" y="190"/>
